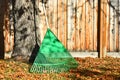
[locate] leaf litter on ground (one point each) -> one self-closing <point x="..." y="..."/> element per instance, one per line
<point x="89" y="69"/>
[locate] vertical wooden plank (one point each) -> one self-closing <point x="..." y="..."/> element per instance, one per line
<point x="6" y="28"/>
<point x="8" y="31"/>
<point x="71" y="23"/>
<point x="114" y="27"/>
<point x="71" y="31"/>
<point x="104" y="45"/>
<point x="78" y="24"/>
<point x="91" y="3"/>
<point x="7" y="35"/>
<point x="70" y="43"/>
<point x="108" y="24"/>
<point x="111" y="28"/>
<point x="82" y="28"/>
<point x="65" y="23"/>
<point x="87" y="25"/>
<point x="74" y="24"/>
<point x="100" y="6"/>
<point x="115" y="6"/>
<point x="103" y="30"/>
<point x="50" y="14"/>
<point x="42" y="26"/>
<point x="117" y="40"/>
<point x="95" y="18"/>
<point x="117" y="25"/>
<point x="55" y="16"/>
<point x="60" y="21"/>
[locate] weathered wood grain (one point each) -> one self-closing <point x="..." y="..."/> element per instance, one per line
<point x="108" y="27"/>
<point x="60" y="22"/>
<point x="75" y="22"/>
<point x="65" y="23"/>
<point x="8" y="33"/>
<point x="55" y="26"/>
<point x="95" y="20"/>
<point x="91" y="21"/>
<point x="82" y="32"/>
<point x="111" y="29"/>
<point x="117" y="25"/>
<point x="43" y="26"/>
<point x="78" y="24"/>
<point x="103" y="29"/>
<point x="89" y="26"/>
<point x="69" y="20"/>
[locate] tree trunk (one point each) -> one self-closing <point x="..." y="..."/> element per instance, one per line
<point x="24" y="29"/>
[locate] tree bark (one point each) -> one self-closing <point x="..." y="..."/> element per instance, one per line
<point x="24" y="29"/>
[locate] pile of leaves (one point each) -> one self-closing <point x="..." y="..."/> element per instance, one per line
<point x="88" y="69"/>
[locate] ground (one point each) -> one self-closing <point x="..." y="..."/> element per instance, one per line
<point x="88" y="69"/>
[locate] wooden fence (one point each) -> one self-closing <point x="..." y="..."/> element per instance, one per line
<point x="114" y="26"/>
<point x="81" y="25"/>
<point x="75" y="22"/>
